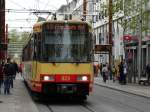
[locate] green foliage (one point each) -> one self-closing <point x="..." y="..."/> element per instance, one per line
<point x="133" y="23"/>
<point x="134" y="9"/>
<point x="117" y="6"/>
<point x="15" y="36"/>
<point x="24" y="36"/>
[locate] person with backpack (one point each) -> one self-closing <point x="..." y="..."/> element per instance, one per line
<point x="114" y="72"/>
<point x="8" y="74"/>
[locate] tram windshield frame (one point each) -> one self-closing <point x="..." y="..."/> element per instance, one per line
<point x="67" y="45"/>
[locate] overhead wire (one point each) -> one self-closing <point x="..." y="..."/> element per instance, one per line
<point x="21" y="27"/>
<point x="21" y="20"/>
<point x="27" y="11"/>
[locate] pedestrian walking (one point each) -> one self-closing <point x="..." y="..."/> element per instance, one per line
<point x="110" y="72"/>
<point x="16" y="69"/>
<point x="20" y="68"/>
<point x="96" y="68"/>
<point x="114" y="72"/>
<point x="121" y="72"/>
<point x="100" y="68"/>
<point x="148" y="71"/>
<point x="124" y="72"/>
<point x="1" y="75"/>
<point x="105" y="73"/>
<point x="8" y="73"/>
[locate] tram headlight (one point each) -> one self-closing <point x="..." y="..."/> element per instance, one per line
<point x="82" y="78"/>
<point x="48" y="78"/>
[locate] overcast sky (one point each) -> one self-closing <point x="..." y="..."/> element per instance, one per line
<point x="14" y="19"/>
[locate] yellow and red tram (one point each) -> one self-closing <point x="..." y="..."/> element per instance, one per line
<point x="57" y="59"/>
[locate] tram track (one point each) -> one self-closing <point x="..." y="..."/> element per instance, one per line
<point x="84" y="107"/>
<point x="50" y="109"/>
<point x="88" y="108"/>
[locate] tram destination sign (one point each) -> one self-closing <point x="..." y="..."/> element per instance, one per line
<point x="61" y="27"/>
<point x="103" y="48"/>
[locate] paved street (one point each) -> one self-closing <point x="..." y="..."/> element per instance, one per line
<point x="102" y="100"/>
<point x="108" y="100"/>
<point x="109" y="97"/>
<point x="19" y="100"/>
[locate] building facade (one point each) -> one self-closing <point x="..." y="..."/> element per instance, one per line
<point x="101" y="30"/>
<point x="75" y="8"/>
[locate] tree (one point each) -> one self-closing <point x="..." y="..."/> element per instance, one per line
<point x="132" y="10"/>
<point x="13" y="36"/>
<point x="24" y="36"/>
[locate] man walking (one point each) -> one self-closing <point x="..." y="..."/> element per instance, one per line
<point x="105" y="73"/>
<point x="124" y="72"/>
<point x="8" y="73"/>
<point x="16" y="69"/>
<point x="121" y="72"/>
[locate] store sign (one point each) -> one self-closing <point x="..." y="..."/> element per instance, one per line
<point x="103" y="48"/>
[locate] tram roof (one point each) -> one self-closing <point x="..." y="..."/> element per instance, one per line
<point x="38" y="24"/>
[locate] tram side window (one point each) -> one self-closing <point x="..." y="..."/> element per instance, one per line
<point x="37" y="46"/>
<point x="28" y="51"/>
<point x="90" y="47"/>
<point x="34" y="55"/>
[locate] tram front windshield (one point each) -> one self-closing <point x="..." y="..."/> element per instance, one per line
<point x="67" y="46"/>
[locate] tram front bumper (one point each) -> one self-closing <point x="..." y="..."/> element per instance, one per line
<point x="78" y="89"/>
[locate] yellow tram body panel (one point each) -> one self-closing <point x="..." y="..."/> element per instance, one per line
<point x="39" y="70"/>
<point x="64" y="68"/>
<point x="59" y="68"/>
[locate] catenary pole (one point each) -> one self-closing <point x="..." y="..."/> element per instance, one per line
<point x="84" y="9"/>
<point x="110" y="31"/>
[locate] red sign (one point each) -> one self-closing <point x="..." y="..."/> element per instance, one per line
<point x="127" y="37"/>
